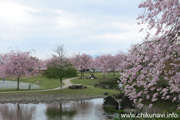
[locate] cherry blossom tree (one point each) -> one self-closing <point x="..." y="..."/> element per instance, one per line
<point x="103" y="63"/>
<point x="155" y="61"/>
<point x="162" y="16"/>
<point x="116" y="62"/>
<point x="108" y="62"/>
<point x="42" y="64"/>
<point x="19" y="64"/>
<point x="92" y="65"/>
<point x="82" y="62"/>
<point x="3" y="62"/>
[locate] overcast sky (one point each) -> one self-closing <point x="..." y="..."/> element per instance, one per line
<point x="87" y="26"/>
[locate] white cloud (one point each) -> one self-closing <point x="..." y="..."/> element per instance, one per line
<point x="120" y="37"/>
<point x="125" y="26"/>
<point x="14" y="19"/>
<point x="12" y="12"/>
<point x="65" y="20"/>
<point x="81" y="26"/>
<point x="129" y="34"/>
<point x="69" y="20"/>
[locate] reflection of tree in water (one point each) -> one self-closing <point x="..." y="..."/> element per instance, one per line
<point x="158" y="107"/>
<point x="82" y="106"/>
<point x="17" y="112"/>
<point x="88" y="107"/>
<point x="57" y="111"/>
<point x="78" y="110"/>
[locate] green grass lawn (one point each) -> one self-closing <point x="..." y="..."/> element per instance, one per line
<point x="99" y="75"/>
<point x="88" y="82"/>
<point x="86" y="91"/>
<point x="47" y="83"/>
<point x="89" y="91"/>
<point x="43" y="82"/>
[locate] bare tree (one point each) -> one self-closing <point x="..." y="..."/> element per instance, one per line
<point x="61" y="53"/>
<point x="59" y="66"/>
<point x="61" y="59"/>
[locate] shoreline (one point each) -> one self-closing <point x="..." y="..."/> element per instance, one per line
<point x="43" y="98"/>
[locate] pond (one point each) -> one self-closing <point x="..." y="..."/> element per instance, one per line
<point x="158" y="107"/>
<point x="81" y="110"/>
<point x="13" y="85"/>
<point x="72" y="110"/>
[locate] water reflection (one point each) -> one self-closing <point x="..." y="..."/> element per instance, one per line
<point x="17" y="112"/>
<point x="57" y="111"/>
<point x="87" y="109"/>
<point x="158" y="107"/>
<point x="82" y="110"/>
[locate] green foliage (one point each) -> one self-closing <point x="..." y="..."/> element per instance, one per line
<point x="56" y="71"/>
<point x="112" y="83"/>
<point x="70" y="72"/>
<point x="109" y="80"/>
<point x="162" y="82"/>
<point x="53" y="72"/>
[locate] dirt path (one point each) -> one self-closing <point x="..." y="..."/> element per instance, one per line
<point x="66" y="84"/>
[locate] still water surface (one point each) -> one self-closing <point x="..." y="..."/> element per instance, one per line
<point x="82" y="110"/>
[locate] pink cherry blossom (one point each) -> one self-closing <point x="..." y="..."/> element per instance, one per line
<point x="17" y="64"/>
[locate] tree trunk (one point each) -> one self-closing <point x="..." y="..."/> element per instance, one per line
<point x="114" y="74"/>
<point x="60" y="83"/>
<point x="104" y="75"/>
<point x="19" y="112"/>
<point x="81" y="73"/>
<point x="60" y="108"/>
<point x="18" y="83"/>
